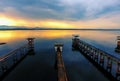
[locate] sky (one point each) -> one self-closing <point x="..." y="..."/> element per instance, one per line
<point x="61" y="13"/>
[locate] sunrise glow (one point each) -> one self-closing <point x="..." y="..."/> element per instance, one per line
<point x="70" y="14"/>
<point x="58" y="24"/>
<point x="8" y="22"/>
<point x="30" y="23"/>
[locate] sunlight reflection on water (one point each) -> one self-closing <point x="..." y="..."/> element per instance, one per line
<point x="44" y="47"/>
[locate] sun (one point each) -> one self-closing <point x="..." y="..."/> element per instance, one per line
<point x="5" y="21"/>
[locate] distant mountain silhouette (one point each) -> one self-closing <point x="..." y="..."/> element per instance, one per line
<point x="3" y="27"/>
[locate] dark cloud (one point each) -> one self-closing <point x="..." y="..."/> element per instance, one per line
<point x="57" y="9"/>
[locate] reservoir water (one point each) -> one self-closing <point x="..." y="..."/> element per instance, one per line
<point x="40" y="67"/>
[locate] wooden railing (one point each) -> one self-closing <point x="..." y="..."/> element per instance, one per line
<point x="107" y="63"/>
<point x="9" y="60"/>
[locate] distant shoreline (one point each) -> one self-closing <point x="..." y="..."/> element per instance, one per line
<point x="66" y="29"/>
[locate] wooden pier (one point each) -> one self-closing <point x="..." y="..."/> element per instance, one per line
<point x="108" y="64"/>
<point x="2" y="43"/>
<point x="59" y="64"/>
<point x="9" y="61"/>
<point x="117" y="49"/>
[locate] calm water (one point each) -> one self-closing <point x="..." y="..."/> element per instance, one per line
<point x="40" y="67"/>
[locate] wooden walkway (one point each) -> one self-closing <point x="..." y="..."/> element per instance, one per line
<point x="62" y="76"/>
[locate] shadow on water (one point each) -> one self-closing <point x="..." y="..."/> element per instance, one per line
<point x="16" y="63"/>
<point x="39" y="66"/>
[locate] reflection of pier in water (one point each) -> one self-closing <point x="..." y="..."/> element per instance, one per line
<point x="59" y="64"/>
<point x="105" y="62"/>
<point x="10" y="60"/>
<point x="108" y="64"/>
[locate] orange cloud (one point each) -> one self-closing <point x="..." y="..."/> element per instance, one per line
<point x="56" y="24"/>
<point x="32" y="23"/>
<point x="109" y="21"/>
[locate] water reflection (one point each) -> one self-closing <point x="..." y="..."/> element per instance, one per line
<point x="43" y="62"/>
<point x="51" y="34"/>
<point x="16" y="35"/>
<point x="105" y="40"/>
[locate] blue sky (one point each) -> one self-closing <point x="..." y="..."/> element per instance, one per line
<point x="71" y="13"/>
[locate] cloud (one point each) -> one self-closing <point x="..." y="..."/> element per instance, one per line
<point x="110" y="20"/>
<point x="32" y="9"/>
<point x="81" y="13"/>
<point x="91" y="7"/>
<point x="58" y="9"/>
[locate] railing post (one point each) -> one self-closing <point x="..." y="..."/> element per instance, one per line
<point x="4" y="65"/>
<point x="118" y="70"/>
<point x="109" y="64"/>
<point x="101" y="59"/>
<point x="89" y="51"/>
<point x="14" y="58"/>
<point x="96" y="56"/>
<point x="91" y="54"/>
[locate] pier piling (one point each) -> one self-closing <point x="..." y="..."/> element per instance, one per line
<point x="117" y="49"/>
